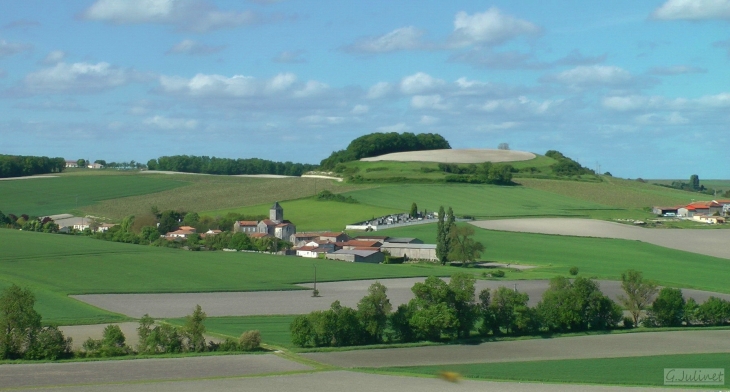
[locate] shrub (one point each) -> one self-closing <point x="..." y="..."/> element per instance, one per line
<point x="498" y="274"/>
<point x="50" y="344"/>
<point x="714" y="311"/>
<point x="250" y="340"/>
<point x="628" y="322"/>
<point x="112" y="344"/>
<point x="574" y="271"/>
<point x="668" y="308"/>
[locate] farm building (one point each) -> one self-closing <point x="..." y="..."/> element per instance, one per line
<point x="403" y="240"/>
<point x="411" y="251"/>
<point x="713" y="220"/>
<point x="666" y="211"/>
<point x="357" y="256"/>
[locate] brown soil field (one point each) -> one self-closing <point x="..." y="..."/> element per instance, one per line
<point x="348" y="293"/>
<point x="455" y="156"/>
<point x="338" y="381"/>
<point x="707" y="242"/>
<point x="595" y="346"/>
<point x="75" y="374"/>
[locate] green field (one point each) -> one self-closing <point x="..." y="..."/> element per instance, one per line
<point x="310" y="214"/>
<point x="55" y="266"/>
<point x="477" y="200"/>
<point x="67" y="193"/>
<point x="595" y="257"/>
<point x="648" y="371"/>
<point x="274" y="329"/>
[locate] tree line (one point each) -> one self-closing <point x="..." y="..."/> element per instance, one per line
<point x="23" y="337"/>
<point x="566" y="166"/>
<point x="446" y="311"/>
<point x="20" y="165"/>
<point x="485" y="173"/>
<point x="378" y="143"/>
<point x="227" y="166"/>
<point x="28" y="223"/>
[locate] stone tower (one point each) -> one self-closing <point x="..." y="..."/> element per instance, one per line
<point x="276" y="213"/>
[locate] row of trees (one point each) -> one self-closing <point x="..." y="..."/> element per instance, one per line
<point x="485" y="173"/>
<point x="19" y="165"/>
<point x="441" y="310"/>
<point x="375" y="144"/>
<point x="28" y="223"/>
<point x="227" y="166"/>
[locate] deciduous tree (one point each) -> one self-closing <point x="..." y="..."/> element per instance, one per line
<point x="639" y="293"/>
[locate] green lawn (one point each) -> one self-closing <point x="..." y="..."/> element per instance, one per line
<point x="477" y="200"/>
<point x="47" y="196"/>
<point x="595" y="257"/>
<point x="274" y="329"/>
<point x="310" y="214"/>
<point x="54" y="266"/>
<point x="645" y="371"/>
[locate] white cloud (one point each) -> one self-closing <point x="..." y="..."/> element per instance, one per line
<point x="191" y="47"/>
<point x="190" y="15"/>
<point x="311" y="88"/>
<point x="379" y="90"/>
<point x="78" y="78"/>
<point x="290" y="57"/>
<point x="676" y="70"/>
<point x="715" y="101"/>
<point x="322" y="120"/>
<point x="500" y="126"/>
<point x="404" y="38"/>
<point x="400" y="127"/>
<point x="593" y="75"/>
<point x="360" y="109"/>
<point x="693" y="10"/>
<point x="54" y="57"/>
<point x="428" y="120"/>
<point x="419" y="83"/>
<point x="520" y="105"/>
<point x="639" y="102"/>
<point x="491" y="27"/>
<point x="434" y="101"/>
<point x="167" y="123"/>
<point x="673" y="118"/>
<point x="9" y="48"/>
<point x="240" y="86"/>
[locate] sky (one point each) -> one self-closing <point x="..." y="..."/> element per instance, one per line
<point x="637" y="88"/>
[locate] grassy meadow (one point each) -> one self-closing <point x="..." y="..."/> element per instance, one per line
<point x="645" y="371"/>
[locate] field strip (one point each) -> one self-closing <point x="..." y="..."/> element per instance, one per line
<point x="349" y="293"/>
<point x="336" y="381"/>
<point x="124" y="371"/>
<point x="25" y="178"/>
<point x="594" y="346"/>
<point x="455" y="156"/>
<point x="707" y="242"/>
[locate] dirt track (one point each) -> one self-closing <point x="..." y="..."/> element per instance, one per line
<point x="455" y="156"/>
<point x="707" y="242"/>
<point x="301" y="302"/>
<point x="597" y="346"/>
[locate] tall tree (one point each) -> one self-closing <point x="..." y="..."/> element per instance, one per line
<point x="639" y="293"/>
<point x="668" y="308"/>
<point x="373" y="311"/>
<point x="442" y="249"/>
<point x="462" y="247"/>
<point x="19" y="322"/>
<point x="694" y="182"/>
<point x="194" y="330"/>
<point x="462" y="287"/>
<point x="414" y="210"/>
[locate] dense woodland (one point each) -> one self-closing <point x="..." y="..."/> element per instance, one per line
<point x="227" y="166"/>
<point x="19" y="165"/>
<point x="566" y="166"/>
<point x="376" y="144"/>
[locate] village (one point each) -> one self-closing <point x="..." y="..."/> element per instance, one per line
<point x="710" y="212"/>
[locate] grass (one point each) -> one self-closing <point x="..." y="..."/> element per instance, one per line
<point x="55" y="266"/>
<point x="68" y="193"/>
<point x="478" y="200"/>
<point x="274" y="329"/>
<point x="311" y="215"/>
<point x="645" y="371"/>
<point x="595" y="257"/>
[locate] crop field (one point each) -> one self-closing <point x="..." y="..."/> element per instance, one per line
<point x="647" y="370"/>
<point x="274" y="329"/>
<point x="55" y="266"/>
<point x="73" y="192"/>
<point x="613" y="192"/>
<point x="206" y="193"/>
<point x="595" y="257"/>
<point x="310" y="214"/>
<point x="477" y="200"/>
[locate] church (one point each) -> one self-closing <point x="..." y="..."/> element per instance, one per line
<point x="275" y="226"/>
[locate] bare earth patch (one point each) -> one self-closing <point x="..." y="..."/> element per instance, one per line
<point x="455" y="156"/>
<point x="348" y="293"/>
<point x="706" y="242"/>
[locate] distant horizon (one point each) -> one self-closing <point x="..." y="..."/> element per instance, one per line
<point x="635" y="87"/>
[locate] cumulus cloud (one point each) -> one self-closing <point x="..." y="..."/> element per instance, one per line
<point x="379" y="90"/>
<point x="240" y="86"/>
<point x="654" y="103"/>
<point x="520" y="105"/>
<point x="512" y="59"/>
<point x="10" y="48"/>
<point x="290" y="57"/>
<point x="168" y="123"/>
<point x="491" y="27"/>
<point x="428" y="120"/>
<point x="77" y="78"/>
<point x="592" y="76"/>
<point x="191" y="47"/>
<point x="360" y="109"/>
<point x="404" y="38"/>
<point x="400" y="127"/>
<point x="54" y="57"/>
<point x="321" y="120"/>
<point x="693" y="10"/>
<point x="673" y="118"/>
<point x="434" y="101"/>
<point x="419" y="83"/>
<point x="676" y="70"/>
<point x="51" y="106"/>
<point x="187" y="15"/>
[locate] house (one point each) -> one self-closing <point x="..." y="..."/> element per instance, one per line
<point x="311" y="252"/>
<point x="72" y="164"/>
<point x="354" y="244"/>
<point x="104" y="227"/>
<point x="95" y="166"/>
<point x="334" y="237"/>
<point x="246" y="227"/>
<point x="713" y="220"/>
<point x="181" y="233"/>
<point x="381" y="238"/>
<point x="210" y="232"/>
<point x="258" y="235"/>
<point x="700" y="208"/>
<point x="725" y="206"/>
<point x="299" y="239"/>
<point x="411" y="251"/>
<point x="357" y="256"/>
<point x="66" y="225"/>
<point x="275" y="226"/>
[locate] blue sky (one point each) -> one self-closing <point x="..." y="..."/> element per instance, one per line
<point x="641" y="88"/>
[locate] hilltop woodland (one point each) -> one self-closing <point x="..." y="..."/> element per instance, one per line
<point x="23" y="337"/>
<point x="19" y="166"/>
<point x="226" y="166"/>
<point x="375" y="144"/>
<point x="443" y="311"/>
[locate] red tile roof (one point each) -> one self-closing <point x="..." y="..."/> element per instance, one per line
<point x="258" y="235"/>
<point x="247" y="223"/>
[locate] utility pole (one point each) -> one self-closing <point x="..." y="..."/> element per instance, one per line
<point x="315" y="293"/>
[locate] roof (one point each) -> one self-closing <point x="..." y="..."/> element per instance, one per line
<point x="187" y="228"/>
<point x="331" y="234"/>
<point x="276" y="206"/>
<point x="371" y="237"/>
<point x="361" y="253"/>
<point x="360" y="244"/>
<point x="412" y="246"/>
<point x="247" y="223"/>
<point x="402" y="240"/>
<point x="306" y="235"/>
<point x="367" y="248"/>
<point x="268" y="222"/>
<point x="307" y="248"/>
<point x="181" y="232"/>
<point x="258" y="235"/>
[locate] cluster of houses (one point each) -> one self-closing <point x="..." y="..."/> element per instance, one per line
<point x="365" y="248"/>
<point x="89" y="165"/>
<point x="183" y="232"/>
<point x="68" y="223"/>
<point x="712" y="212"/>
